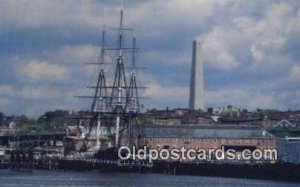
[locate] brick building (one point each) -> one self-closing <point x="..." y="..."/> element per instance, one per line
<point x="195" y="136"/>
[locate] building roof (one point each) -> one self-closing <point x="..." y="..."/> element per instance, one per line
<point x="193" y="131"/>
<point x="285" y="123"/>
<point x="73" y="129"/>
<point x="78" y="138"/>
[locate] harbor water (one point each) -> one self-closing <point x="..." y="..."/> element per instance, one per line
<point x="92" y="179"/>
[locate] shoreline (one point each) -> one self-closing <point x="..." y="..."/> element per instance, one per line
<point x="273" y="172"/>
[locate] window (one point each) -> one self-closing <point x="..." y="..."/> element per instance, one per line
<point x="247" y="141"/>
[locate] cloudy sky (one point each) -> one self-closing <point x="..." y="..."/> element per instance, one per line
<point x="251" y="51"/>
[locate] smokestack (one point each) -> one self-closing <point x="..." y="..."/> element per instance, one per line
<point x="196" y="86"/>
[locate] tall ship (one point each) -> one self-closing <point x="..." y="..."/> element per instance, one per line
<point x="113" y="115"/>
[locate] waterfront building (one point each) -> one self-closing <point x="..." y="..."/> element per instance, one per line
<point x="194" y="136"/>
<point x="289" y="149"/>
<point x="167" y="121"/>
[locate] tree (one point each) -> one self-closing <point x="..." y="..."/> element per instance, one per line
<point x="49" y="116"/>
<point x="2" y="119"/>
<point x="53" y="120"/>
<point x="23" y="120"/>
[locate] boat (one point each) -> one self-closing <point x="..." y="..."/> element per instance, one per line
<point x="4" y="157"/>
<point x="114" y="109"/>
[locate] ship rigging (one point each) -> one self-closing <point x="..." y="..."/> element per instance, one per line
<point x="115" y="107"/>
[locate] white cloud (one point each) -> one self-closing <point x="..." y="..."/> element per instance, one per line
<point x="293" y="76"/>
<point x="264" y="37"/>
<point x="168" y="58"/>
<point x="39" y="92"/>
<point x="41" y="71"/>
<point x="44" y="14"/>
<point x="37" y="109"/>
<point x="256" y="53"/>
<point x="90" y="15"/>
<point x="241" y="97"/>
<point x="6" y="90"/>
<point x="160" y="18"/>
<point x="163" y="93"/>
<point x="265" y="101"/>
<point x="162" y="96"/>
<point x="4" y="102"/>
<point x="75" y="54"/>
<point x="217" y="51"/>
<point x="6" y="93"/>
<point x="253" y="37"/>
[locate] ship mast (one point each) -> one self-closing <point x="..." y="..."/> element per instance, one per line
<point x="119" y="108"/>
<point x="118" y="94"/>
<point x="133" y="104"/>
<point x="100" y="103"/>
